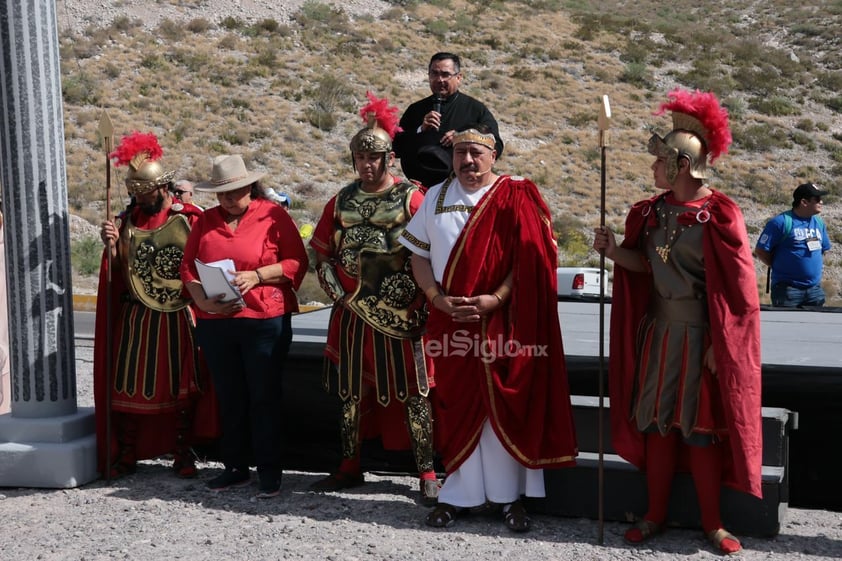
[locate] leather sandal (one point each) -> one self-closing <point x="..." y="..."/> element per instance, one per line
<point x="443" y="516"/>
<point x="515" y="517"/>
<point x="642" y="531"/>
<point x="429" y="491"/>
<point x="724" y="541"/>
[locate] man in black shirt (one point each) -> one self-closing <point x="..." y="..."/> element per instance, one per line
<point x="426" y="143"/>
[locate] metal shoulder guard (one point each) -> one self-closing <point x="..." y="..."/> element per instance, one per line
<point x="329" y="280"/>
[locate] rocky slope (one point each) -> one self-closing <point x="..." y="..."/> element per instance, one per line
<point x="78" y="14"/>
<point x="206" y="92"/>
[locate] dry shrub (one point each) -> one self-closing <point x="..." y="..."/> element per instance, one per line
<point x="288" y="95"/>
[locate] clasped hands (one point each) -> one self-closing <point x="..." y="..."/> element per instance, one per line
<point x="466" y="309"/>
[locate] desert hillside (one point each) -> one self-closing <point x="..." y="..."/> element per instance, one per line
<point x="281" y="83"/>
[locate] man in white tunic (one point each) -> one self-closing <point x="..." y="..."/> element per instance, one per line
<point x="485" y="256"/>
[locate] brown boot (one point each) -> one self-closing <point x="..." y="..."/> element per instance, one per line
<point x="125" y="463"/>
<point x="184" y="462"/>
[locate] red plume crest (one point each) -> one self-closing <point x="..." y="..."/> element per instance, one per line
<point x="705" y="108"/>
<point x="385" y="116"/>
<point x="136" y="148"/>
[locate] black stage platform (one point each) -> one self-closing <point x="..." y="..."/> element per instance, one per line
<point x="802" y="373"/>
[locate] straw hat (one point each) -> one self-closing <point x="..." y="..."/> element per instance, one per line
<point x="229" y="172"/>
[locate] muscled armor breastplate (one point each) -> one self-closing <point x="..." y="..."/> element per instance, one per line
<point x="368" y="226"/>
<point x="372" y="221"/>
<point x="152" y="259"/>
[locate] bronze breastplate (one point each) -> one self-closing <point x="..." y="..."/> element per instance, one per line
<point x="368" y="228"/>
<point x="152" y="260"/>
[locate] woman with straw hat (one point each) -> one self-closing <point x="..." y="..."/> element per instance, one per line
<point x="246" y="339"/>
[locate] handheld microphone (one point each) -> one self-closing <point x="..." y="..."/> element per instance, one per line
<point x="437" y="104"/>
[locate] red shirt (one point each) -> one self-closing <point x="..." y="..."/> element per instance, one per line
<point x="265" y="235"/>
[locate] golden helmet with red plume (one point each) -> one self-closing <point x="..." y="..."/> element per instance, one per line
<point x="381" y="126"/>
<point x="141" y="152"/>
<point x="700" y="132"/>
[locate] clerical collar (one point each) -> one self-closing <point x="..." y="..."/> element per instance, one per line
<point x="446" y="100"/>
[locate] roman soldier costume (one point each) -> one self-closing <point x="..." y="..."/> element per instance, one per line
<point x="684" y="374"/>
<point x="160" y="400"/>
<point x="375" y="360"/>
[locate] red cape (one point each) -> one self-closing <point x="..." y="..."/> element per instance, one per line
<point x="734" y="314"/>
<point x="524" y="395"/>
<point x="156" y="433"/>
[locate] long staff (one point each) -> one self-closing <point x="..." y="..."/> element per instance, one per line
<point x="106" y="131"/>
<point x="604" y="122"/>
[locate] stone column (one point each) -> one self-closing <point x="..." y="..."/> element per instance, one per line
<point x="45" y="441"/>
<point x="5" y="371"/>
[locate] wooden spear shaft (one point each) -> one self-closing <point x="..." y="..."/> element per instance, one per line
<point x="604" y="122"/>
<point x="106" y="129"/>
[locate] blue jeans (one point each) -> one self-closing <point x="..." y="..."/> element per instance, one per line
<point x="246" y="357"/>
<point x="787" y="296"/>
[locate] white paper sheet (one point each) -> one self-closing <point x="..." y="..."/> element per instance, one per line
<point x="216" y="279"/>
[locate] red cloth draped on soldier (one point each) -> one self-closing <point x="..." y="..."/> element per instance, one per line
<point x="161" y="400"/>
<point x="684" y="374"/>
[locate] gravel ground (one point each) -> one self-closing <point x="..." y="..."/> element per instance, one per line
<point x="154" y="515"/>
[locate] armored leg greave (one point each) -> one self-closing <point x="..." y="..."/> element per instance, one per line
<point x="419" y="416"/>
<point x="350" y="428"/>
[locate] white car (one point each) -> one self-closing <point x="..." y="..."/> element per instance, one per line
<point x="581" y="283"/>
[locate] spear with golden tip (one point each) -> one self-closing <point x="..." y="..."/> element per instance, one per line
<point x="106" y="132"/>
<point x="604" y="122"/>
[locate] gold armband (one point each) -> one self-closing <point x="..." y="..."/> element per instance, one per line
<point x="502" y="293"/>
<point x="432" y="292"/>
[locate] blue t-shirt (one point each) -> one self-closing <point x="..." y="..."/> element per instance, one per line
<point x="793" y="262"/>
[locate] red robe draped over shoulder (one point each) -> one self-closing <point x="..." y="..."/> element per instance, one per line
<point x="513" y="370"/>
<point x="734" y="315"/>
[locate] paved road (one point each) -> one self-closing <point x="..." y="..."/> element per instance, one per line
<point x="790" y="337"/>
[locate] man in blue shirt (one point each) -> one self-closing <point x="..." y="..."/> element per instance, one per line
<point x="792" y="244"/>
